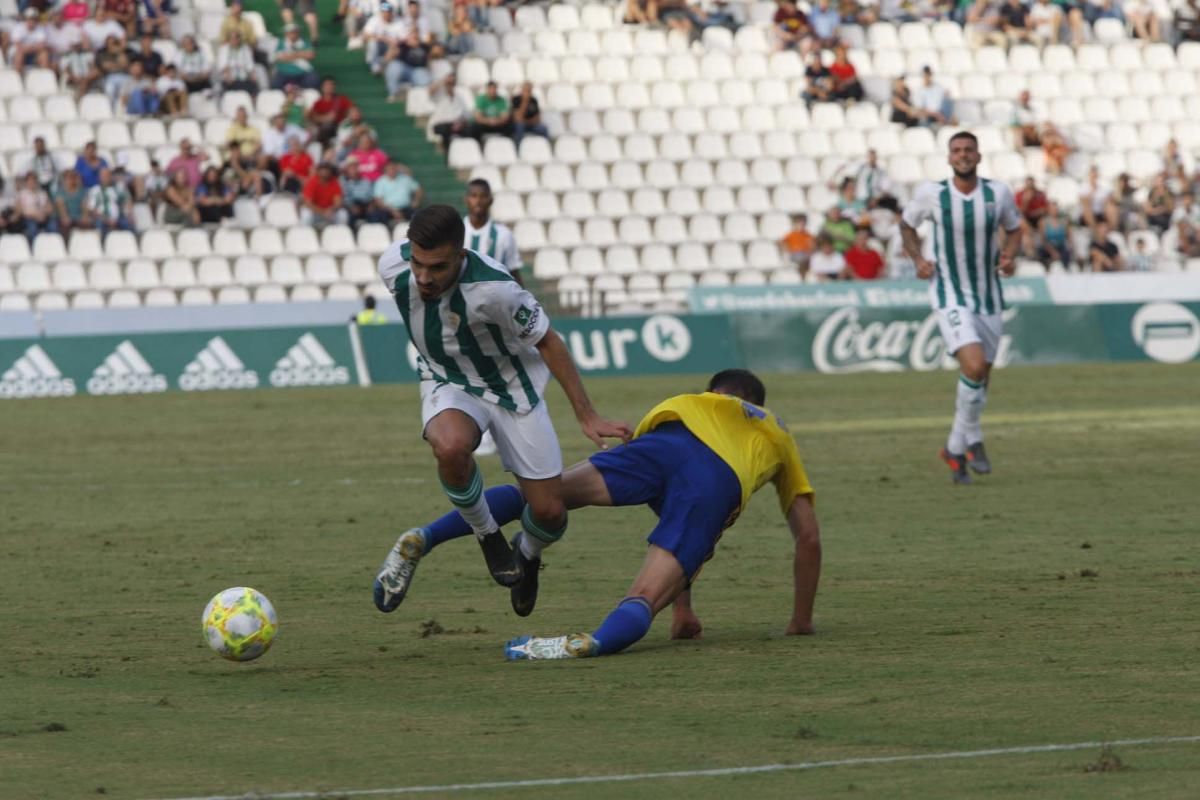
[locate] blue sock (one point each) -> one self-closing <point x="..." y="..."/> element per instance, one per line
<point x="505" y="502"/>
<point x="624" y="625"/>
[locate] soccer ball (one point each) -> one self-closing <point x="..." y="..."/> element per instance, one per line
<point x="239" y="623"/>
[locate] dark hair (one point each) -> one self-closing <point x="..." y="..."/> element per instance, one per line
<point x="965" y="135"/>
<point x="741" y="383"/>
<point x="436" y="226"/>
<point x="479" y="183"/>
<point x="369" y="301"/>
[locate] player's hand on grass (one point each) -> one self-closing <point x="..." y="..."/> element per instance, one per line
<point x="1008" y="265"/>
<point x="924" y="268"/>
<point x="598" y="429"/>
<point x="797" y="628"/>
<point x="686" y="625"/>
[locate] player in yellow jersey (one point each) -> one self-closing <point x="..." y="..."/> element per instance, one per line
<point x="695" y="459"/>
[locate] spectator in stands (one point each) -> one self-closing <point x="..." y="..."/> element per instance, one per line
<point x="1185" y="241"/>
<point x="1140" y="259"/>
<point x="194" y="65"/>
<point x="180" y="202"/>
<point x="641" y="12"/>
<point x="61" y="36"/>
<point x="89" y="164"/>
<point x="451" y="115"/>
<point x="235" y="66"/>
<point x="327" y="112"/>
<point x="848" y="203"/>
<point x="138" y="95"/>
<point x="870" y="180"/>
<point x="1125" y="197"/>
<point x="904" y="110"/>
<point x="1187" y="208"/>
<point x="1103" y="254"/>
<point x="1143" y="19"/>
<point x="151" y="59"/>
<point x="214" y="197"/>
<point x="243" y="141"/>
<point x="236" y="23"/>
<point x="70" y="200"/>
<point x="154" y="185"/>
<point x="100" y="27"/>
<point x="1026" y="122"/>
<point x="818" y="80"/>
<point x="321" y="200"/>
<point x="109" y="204"/>
<point x="358" y="193"/>
<point x="34" y="206"/>
<point x="294" y="108"/>
<point x="370" y="156"/>
<point x="379" y="34"/>
<point x="123" y="12"/>
<point x="1016" y="22"/>
<point x="839" y="229"/>
<point x="798" y="244"/>
<point x="985" y="25"/>
<point x="30" y="42"/>
<point x="792" y="31"/>
<point x="416" y="22"/>
<point x="527" y="115"/>
<point x="1054" y="236"/>
<point x="845" y="77"/>
<point x="1095" y="201"/>
<point x="824" y="21"/>
<point x="1045" y="21"/>
<point x="113" y="64"/>
<point x="349" y="133"/>
<point x="293" y="61"/>
<point x="308" y="11"/>
<point x="1159" y="204"/>
<point x="295" y="167"/>
<point x="276" y="137"/>
<point x="826" y="263"/>
<point x="397" y="194"/>
<point x="863" y="262"/>
<point x="461" y="38"/>
<point x="78" y="69"/>
<point x="43" y="166"/>
<point x="172" y="92"/>
<point x="492" y="114"/>
<point x="254" y="179"/>
<point x="189" y="161"/>
<point x="1055" y="149"/>
<point x="407" y="65"/>
<point x="75" y="13"/>
<point x="1187" y="21"/>
<point x="934" y="106"/>
<point x="1033" y="204"/>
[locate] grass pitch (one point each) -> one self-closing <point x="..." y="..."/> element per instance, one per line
<point x="1055" y="601"/>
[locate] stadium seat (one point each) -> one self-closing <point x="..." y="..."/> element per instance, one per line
<point x="84" y="245"/>
<point x="550" y="263"/>
<point x="178" y="273"/>
<point x="321" y="269"/>
<point x="67" y="276"/>
<point x="196" y="296"/>
<point x="270" y="293"/>
<point x="286" y="270"/>
<point x="121" y="246"/>
<point x="124" y="298"/>
<point x="600" y="232"/>
<point x="634" y="230"/>
<point x="586" y="260"/>
<point x="88" y="299"/>
<point x="213" y="272"/>
<point x="338" y="240"/>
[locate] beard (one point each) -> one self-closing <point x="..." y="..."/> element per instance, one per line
<point x="965" y="174"/>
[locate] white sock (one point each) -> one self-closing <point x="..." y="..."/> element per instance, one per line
<point x="968" y="406"/>
<point x="531" y="546"/>
<point x="975" y="430"/>
<point x="472" y="504"/>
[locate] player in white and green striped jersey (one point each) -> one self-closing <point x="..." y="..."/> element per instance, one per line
<point x="495" y="240"/>
<point x="976" y="237"/>
<point x="486" y="352"/>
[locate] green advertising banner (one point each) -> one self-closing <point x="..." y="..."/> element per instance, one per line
<point x="844" y="294"/>
<point x="193" y="361"/>
<point x="656" y="345"/>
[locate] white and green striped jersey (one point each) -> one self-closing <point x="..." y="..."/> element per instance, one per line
<point x="966" y="249"/>
<point x="495" y="240"/>
<point x="480" y="336"/>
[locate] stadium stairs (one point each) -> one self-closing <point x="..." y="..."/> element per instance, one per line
<point x="398" y="136"/>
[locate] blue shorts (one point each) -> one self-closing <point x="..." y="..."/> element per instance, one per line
<point x="694" y="493"/>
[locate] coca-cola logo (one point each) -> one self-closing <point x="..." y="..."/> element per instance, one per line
<point x="844" y="343"/>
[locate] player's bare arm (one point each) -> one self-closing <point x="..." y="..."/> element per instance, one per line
<point x="558" y="359"/>
<point x="1007" y="263"/>
<point x="806" y="563"/>
<point x="912" y="246"/>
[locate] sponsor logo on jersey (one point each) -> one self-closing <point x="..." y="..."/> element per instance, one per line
<point x="308" y="363"/>
<point x="527" y="318"/>
<point x="845" y="344"/>
<point x="1167" y="332"/>
<point x="125" y="371"/>
<point x="34" y="374"/>
<point x="217" y="367"/>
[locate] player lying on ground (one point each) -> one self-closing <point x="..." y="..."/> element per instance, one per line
<point x="971" y="215"/>
<point x="486" y="353"/>
<point x="695" y="459"/>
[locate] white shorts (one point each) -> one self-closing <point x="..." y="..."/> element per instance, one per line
<point x="961" y="326"/>
<point x="527" y="443"/>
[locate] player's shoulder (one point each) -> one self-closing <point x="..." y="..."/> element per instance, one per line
<point x="1001" y="190"/>
<point x="928" y="190"/>
<point x="483" y="270"/>
<point x="394" y="261"/>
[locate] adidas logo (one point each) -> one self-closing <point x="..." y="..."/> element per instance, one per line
<point x="308" y="363"/>
<point x="35" y="375"/>
<point x="217" y="367"/>
<point x="125" y="371"/>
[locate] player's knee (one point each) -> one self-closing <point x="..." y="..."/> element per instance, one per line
<point x="974" y="369"/>
<point x="549" y="512"/>
<point x="451" y="446"/>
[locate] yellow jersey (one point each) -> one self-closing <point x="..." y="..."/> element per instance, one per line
<point x="369" y="316"/>
<point x="750" y="439"/>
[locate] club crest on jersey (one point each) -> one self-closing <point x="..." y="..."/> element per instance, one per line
<point x="453" y="319"/>
<point x="523" y="315"/>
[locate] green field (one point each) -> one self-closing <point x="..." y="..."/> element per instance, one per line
<point x="1055" y="602"/>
